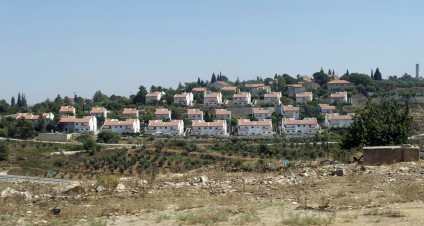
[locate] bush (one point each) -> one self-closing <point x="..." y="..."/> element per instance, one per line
<point x="109" y="182"/>
<point x="4" y="151"/>
<point x="108" y="137"/>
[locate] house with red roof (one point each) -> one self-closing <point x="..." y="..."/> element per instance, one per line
<point x="338" y="121"/>
<point x="306" y="126"/>
<point x="339" y="84"/>
<point x="184" y="99"/>
<point x="241" y="99"/>
<point x="120" y="127"/>
<point x="158" y="127"/>
<point x="88" y="124"/>
<point x="263" y="127"/>
<point x="216" y="128"/>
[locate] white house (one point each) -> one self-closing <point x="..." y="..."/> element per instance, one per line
<point x="256" y="88"/>
<point x="174" y="128"/>
<point x="243" y="98"/>
<point x="303" y="97"/>
<point x="326" y="108"/>
<point x="223" y="114"/>
<point x="129" y="113"/>
<point x="229" y="89"/>
<point x="212" y="99"/>
<point x="48" y="115"/>
<point x="67" y="110"/>
<point x="99" y="112"/>
<point x="245" y="127"/>
<point x="194" y="114"/>
<point x="154" y="97"/>
<point x="289" y="111"/>
<point x="185" y="99"/>
<point x="273" y="98"/>
<point x="341" y="97"/>
<point x="306" y="126"/>
<point x="339" y="84"/>
<point x="338" y="121"/>
<point x="87" y="124"/>
<point x="120" y="127"/>
<point x="162" y="113"/>
<point x="260" y="113"/>
<point x="217" y="128"/>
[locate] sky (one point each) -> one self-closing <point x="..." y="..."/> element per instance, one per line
<point x="61" y="47"/>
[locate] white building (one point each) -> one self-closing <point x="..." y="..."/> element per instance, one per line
<point x="257" y="88"/>
<point x="48" y="115"/>
<point x="99" y="112"/>
<point x="67" y="110"/>
<point x="246" y="127"/>
<point x="306" y="126"/>
<point x="217" y="128"/>
<point x="273" y="98"/>
<point x="87" y="124"/>
<point x="243" y="98"/>
<point x="154" y="97"/>
<point x="289" y="111"/>
<point x="162" y="113"/>
<point x="120" y="127"/>
<point x="212" y="99"/>
<point x="326" y="109"/>
<point x="339" y="84"/>
<point x="184" y="99"/>
<point x="194" y="114"/>
<point x="341" y="97"/>
<point x="303" y="97"/>
<point x="338" y="121"/>
<point x="129" y="113"/>
<point x="223" y="114"/>
<point x="260" y="113"/>
<point x="173" y="128"/>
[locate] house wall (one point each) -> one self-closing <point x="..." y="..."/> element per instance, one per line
<point x="390" y="154"/>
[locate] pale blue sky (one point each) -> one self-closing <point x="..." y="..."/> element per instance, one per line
<point x="58" y="47"/>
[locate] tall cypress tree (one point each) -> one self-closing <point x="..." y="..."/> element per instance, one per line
<point x="213" y="79"/>
<point x="329" y="72"/>
<point x="372" y="73"/>
<point x="19" y="102"/>
<point x="12" y="102"/>
<point x="377" y="75"/>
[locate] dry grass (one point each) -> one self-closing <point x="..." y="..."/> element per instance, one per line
<point x="203" y="217"/>
<point x="297" y="219"/>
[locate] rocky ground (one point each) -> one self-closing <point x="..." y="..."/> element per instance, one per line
<point x="307" y="193"/>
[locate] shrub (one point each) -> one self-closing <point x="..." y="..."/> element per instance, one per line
<point x="109" y="182"/>
<point x="108" y="137"/>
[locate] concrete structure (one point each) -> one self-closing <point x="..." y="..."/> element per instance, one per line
<point x="87" y="124"/>
<point x="154" y="97"/>
<point x="120" y="127"/>
<point x="293" y="89"/>
<point x="48" y="116"/>
<point x="303" y="97"/>
<point x="273" y="98"/>
<point x="58" y="137"/>
<point x="326" y="108"/>
<point x="162" y="113"/>
<point x="185" y="99"/>
<point x="306" y="126"/>
<point x="335" y="120"/>
<point x="341" y="97"/>
<point x="67" y="110"/>
<point x="217" y="128"/>
<point x="242" y="99"/>
<point x="212" y="99"/>
<point x="260" y="113"/>
<point x="379" y="155"/>
<point x="173" y="128"/>
<point x="99" y="112"/>
<point x="129" y="113"/>
<point x="245" y="127"/>
<point x="289" y="111"/>
<point x="223" y="114"/>
<point x="194" y="114"/>
<point x="339" y="85"/>
<point x="417" y="71"/>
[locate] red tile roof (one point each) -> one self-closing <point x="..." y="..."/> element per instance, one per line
<point x="290" y="108"/>
<point x="229" y="88"/>
<point x="326" y="107"/>
<point x="310" y="121"/>
<point x="338" y="81"/>
<point x="67" y="109"/>
<point x="181" y="95"/>
<point x="338" y="95"/>
<point x="222" y="112"/>
<point x="340" y="117"/>
<point x="161" y="123"/>
<point x="257" y="85"/>
<point x="115" y="122"/>
<point x="129" y="111"/>
<point x="73" y="119"/>
<point x="241" y="95"/>
<point x="260" y="111"/>
<point x="199" y="89"/>
<point x="247" y="122"/>
<point x="212" y="95"/>
<point x="161" y="111"/>
<point x="155" y="94"/>
<point x="272" y="95"/>
<point x="98" y="110"/>
<point x="219" y="123"/>
<point x="305" y="94"/>
<point x="194" y="112"/>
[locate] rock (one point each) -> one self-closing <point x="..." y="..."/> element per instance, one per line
<point x="74" y="187"/>
<point x="100" y="188"/>
<point x="339" y="172"/>
<point x="204" y="179"/>
<point x="29" y="212"/>
<point x="404" y="169"/>
<point x="142" y="183"/>
<point x="304" y="174"/>
<point x="120" y="188"/>
<point x="9" y="192"/>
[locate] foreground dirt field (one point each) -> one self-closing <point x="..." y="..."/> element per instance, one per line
<point x="305" y="194"/>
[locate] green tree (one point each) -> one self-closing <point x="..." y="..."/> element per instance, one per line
<point x="99" y="97"/>
<point x="108" y="137"/>
<point x="321" y="78"/>
<point x="377" y="74"/>
<point x="4" y="151"/>
<point x="4" y="107"/>
<point x="386" y="123"/>
<point x="90" y="145"/>
<point x="140" y="97"/>
<point x="213" y="79"/>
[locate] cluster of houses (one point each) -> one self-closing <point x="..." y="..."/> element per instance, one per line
<point x="163" y="124"/>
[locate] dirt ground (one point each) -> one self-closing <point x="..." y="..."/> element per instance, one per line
<point x="307" y="193"/>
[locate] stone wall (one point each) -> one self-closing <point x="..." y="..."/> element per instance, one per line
<point x="390" y="154"/>
<point x="61" y="137"/>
